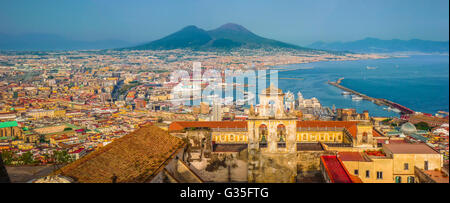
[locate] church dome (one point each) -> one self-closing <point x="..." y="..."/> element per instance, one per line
<point x="408" y="128"/>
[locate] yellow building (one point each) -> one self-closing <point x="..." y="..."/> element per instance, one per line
<point x="370" y="169"/>
<point x="396" y="163"/>
<point x="410" y="157"/>
<point x="46" y="113"/>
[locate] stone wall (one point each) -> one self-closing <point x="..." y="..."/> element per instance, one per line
<point x="308" y="166"/>
<point x="272" y="167"/>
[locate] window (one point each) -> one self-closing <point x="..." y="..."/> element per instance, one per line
<point x="263" y="133"/>
<point x="379" y="175"/>
<point x="406" y="166"/>
<point x="364" y="138"/>
<point x="356" y="172"/>
<point x="425" y="167"/>
<point x="367" y="174"/>
<point x="281" y="133"/>
<point x="398" y="179"/>
<point x="411" y="179"/>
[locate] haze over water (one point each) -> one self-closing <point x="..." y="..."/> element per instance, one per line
<point x="419" y="82"/>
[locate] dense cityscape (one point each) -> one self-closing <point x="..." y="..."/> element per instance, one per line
<point x="57" y="107"/>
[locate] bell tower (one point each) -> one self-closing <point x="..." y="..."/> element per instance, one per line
<point x="272" y="144"/>
<point x="272" y="102"/>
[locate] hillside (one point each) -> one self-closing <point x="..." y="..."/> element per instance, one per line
<point x="227" y="36"/>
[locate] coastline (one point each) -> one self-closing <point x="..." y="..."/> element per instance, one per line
<point x="377" y="101"/>
<point x="395" y="70"/>
<point x="375" y="57"/>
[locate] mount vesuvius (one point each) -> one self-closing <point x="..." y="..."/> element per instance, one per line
<point x="228" y="36"/>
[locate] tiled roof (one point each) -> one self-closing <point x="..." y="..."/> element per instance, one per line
<point x="135" y="157"/>
<point x="325" y="123"/>
<point x="437" y="176"/>
<point x="181" y="125"/>
<point x="420" y="148"/>
<point x="376" y="133"/>
<point x="336" y="170"/>
<point x="349" y="125"/>
<point x="352" y="156"/>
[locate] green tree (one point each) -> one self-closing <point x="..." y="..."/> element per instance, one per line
<point x="42" y="139"/>
<point x="62" y="157"/>
<point x="422" y="126"/>
<point x="27" y="158"/>
<point x="7" y="157"/>
<point x="387" y="120"/>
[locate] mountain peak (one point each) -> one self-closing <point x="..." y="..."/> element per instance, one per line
<point x="191" y="27"/>
<point x="233" y="27"/>
<point x="227" y="36"/>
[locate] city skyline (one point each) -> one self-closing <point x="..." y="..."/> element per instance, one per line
<point x="301" y="22"/>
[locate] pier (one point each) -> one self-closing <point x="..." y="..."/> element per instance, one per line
<point x="385" y="102"/>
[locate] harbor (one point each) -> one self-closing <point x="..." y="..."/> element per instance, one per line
<point x="378" y="101"/>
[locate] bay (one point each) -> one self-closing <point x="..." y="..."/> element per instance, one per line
<point x="419" y="82"/>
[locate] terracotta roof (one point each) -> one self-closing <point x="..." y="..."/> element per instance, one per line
<point x="135" y="157"/>
<point x="336" y="170"/>
<point x="181" y="125"/>
<point x="326" y="123"/>
<point x="420" y="148"/>
<point x="349" y="125"/>
<point x="352" y="156"/>
<point x="437" y="176"/>
<point x="376" y="133"/>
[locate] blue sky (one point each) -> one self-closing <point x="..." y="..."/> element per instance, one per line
<point x="301" y="21"/>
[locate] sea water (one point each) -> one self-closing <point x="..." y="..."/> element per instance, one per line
<point x="419" y="82"/>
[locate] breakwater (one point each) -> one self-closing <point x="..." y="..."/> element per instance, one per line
<point x="378" y="101"/>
